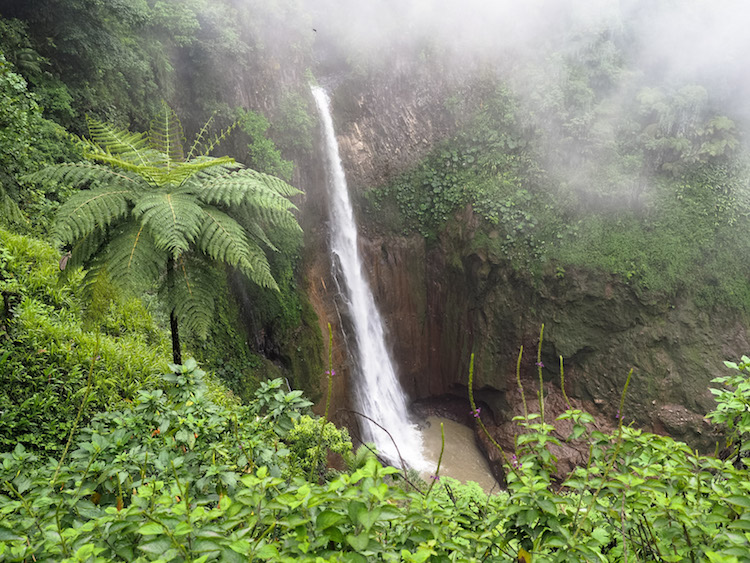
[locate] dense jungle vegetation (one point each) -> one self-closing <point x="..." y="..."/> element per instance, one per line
<point x="111" y="451"/>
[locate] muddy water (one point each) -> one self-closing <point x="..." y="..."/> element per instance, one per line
<point x="462" y="459"/>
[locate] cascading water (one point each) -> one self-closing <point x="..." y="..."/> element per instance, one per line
<point x="378" y="392"/>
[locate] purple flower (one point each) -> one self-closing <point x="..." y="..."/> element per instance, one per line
<point x="476" y="411"/>
<point x="331" y="372"/>
<point x="435" y="477"/>
<point x="539" y="365"/>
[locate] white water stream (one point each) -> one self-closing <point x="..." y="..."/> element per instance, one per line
<point x="378" y="393"/>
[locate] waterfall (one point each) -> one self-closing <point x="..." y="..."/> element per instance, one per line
<point x="378" y="393"/>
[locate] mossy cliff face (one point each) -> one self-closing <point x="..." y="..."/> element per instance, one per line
<point x="444" y="302"/>
<point x="444" y="299"/>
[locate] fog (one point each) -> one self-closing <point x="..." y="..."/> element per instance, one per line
<point x="672" y="42"/>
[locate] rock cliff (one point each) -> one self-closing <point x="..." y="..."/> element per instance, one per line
<point x="445" y="299"/>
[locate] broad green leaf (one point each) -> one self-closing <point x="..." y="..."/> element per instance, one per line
<point x="327" y="518"/>
<point x="151" y="529"/>
<point x="358" y="542"/>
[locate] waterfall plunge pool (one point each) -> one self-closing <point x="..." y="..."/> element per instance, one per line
<point x="462" y="458"/>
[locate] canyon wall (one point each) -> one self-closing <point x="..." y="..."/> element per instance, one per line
<point x="443" y="300"/>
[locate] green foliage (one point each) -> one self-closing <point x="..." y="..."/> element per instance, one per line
<point x="733" y="410"/>
<point x="295" y="123"/>
<point x="174" y="477"/>
<point x="150" y="209"/>
<point x="680" y="132"/>
<point x="262" y="152"/>
<point x="29" y="141"/>
<point x="47" y="350"/>
<point x="652" y="189"/>
<point x="309" y="440"/>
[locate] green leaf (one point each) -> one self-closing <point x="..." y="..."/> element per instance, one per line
<point x="151" y="529"/>
<point x="327" y="518"/>
<point x="156" y="546"/>
<point x="6" y="534"/>
<point x="358" y="542"/>
<point x="368" y="517"/>
<point x="267" y="551"/>
<point x="739" y="500"/>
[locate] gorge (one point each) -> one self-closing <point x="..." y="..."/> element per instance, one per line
<point x="501" y="241"/>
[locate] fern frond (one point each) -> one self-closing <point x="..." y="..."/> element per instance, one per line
<point x="265" y="210"/>
<point x="166" y="136"/>
<point x="83" y="251"/>
<point x="173" y="219"/>
<point x="271" y="182"/>
<point x="133" y="261"/>
<point x="222" y="238"/>
<point x="191" y="293"/>
<point x="179" y="173"/>
<point x="246" y="186"/>
<point x="258" y="233"/>
<point x="86" y="174"/>
<point x="150" y="173"/>
<point x="199" y="139"/>
<point x="217" y="140"/>
<point x="9" y="208"/>
<point x="89" y="210"/>
<point x="115" y="140"/>
<point x="257" y="268"/>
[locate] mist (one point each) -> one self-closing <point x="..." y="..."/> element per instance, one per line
<point x="672" y="42"/>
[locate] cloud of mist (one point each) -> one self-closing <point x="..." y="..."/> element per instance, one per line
<point x="671" y="41"/>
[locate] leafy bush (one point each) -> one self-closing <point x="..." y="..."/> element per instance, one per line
<point x="48" y="354"/>
<point x="29" y="141"/>
<point x="176" y="477"/>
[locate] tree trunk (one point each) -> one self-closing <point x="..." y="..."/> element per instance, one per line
<point x="176" y="349"/>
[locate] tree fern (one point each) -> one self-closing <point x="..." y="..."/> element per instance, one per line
<point x="149" y="216"/>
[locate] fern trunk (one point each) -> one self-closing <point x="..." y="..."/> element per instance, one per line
<point x="176" y="349"/>
<point x="173" y="325"/>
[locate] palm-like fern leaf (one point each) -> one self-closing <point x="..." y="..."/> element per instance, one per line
<point x="86" y="174"/>
<point x="257" y="268"/>
<point x="122" y="149"/>
<point x="199" y="139"/>
<point x="191" y="293"/>
<point x="134" y="262"/>
<point x="241" y="185"/>
<point x="258" y="233"/>
<point x="178" y="173"/>
<point x="115" y="140"/>
<point x="173" y="219"/>
<point x="222" y="238"/>
<point x="89" y="210"/>
<point x="166" y="136"/>
<point x="271" y="182"/>
<point x="83" y="250"/>
<point x="9" y="208"/>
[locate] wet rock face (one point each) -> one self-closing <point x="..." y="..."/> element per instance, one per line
<point x="389" y="122"/>
<point x="444" y="301"/>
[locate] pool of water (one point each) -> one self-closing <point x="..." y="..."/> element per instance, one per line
<point x="462" y="459"/>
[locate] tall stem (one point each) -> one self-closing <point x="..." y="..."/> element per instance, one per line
<point x="176" y="349"/>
